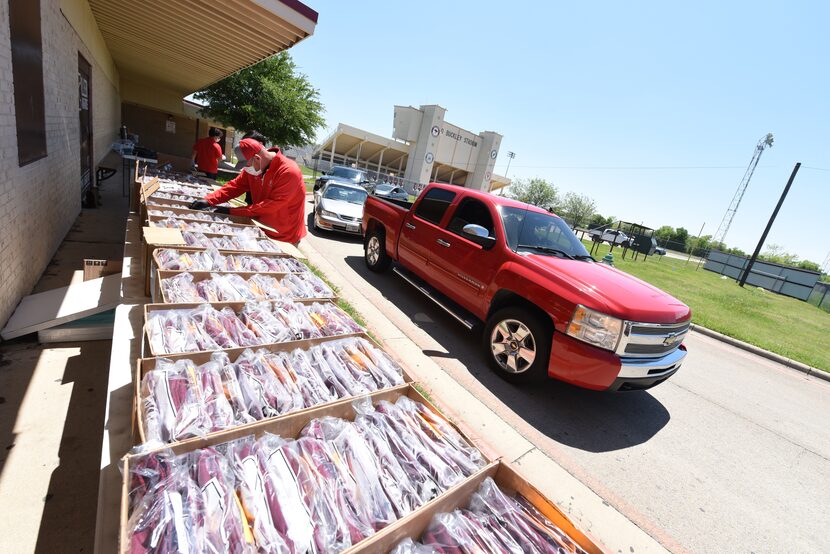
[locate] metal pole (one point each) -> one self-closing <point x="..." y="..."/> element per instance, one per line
<point x="691" y="248"/>
<point x="769" y="225"/>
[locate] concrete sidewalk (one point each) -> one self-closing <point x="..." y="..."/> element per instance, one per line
<point x="494" y="434"/>
<point x="52" y="401"/>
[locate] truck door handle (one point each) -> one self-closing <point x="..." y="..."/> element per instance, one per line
<point x="443" y="243"/>
<point x="409" y="225"/>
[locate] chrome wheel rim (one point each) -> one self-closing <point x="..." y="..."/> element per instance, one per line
<point x="373" y="250"/>
<point x="513" y="346"/>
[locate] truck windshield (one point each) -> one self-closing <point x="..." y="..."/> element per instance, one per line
<point x="530" y="231"/>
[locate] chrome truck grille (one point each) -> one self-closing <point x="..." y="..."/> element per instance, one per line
<point x="650" y="340"/>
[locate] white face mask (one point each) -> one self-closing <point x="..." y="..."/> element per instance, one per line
<point x="249" y="169"/>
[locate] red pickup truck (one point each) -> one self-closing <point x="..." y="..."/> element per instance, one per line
<point x="548" y="307"/>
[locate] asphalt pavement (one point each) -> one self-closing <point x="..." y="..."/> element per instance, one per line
<point x="732" y="454"/>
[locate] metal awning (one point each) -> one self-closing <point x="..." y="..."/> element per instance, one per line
<point x="185" y="45"/>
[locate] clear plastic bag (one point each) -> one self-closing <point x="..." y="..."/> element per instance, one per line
<point x="261" y="393"/>
<point x="296" y="317"/>
<point x="236" y="328"/>
<point x="331" y="320"/>
<point x="358" y="468"/>
<point x="355" y="384"/>
<point x="250" y="476"/>
<point x="174" y="332"/>
<point x="232" y="288"/>
<point x="180" y="289"/>
<point x="210" y="325"/>
<point x="222" y="524"/>
<point x="448" y="443"/>
<point x="258" y="317"/>
<point x="164" y="519"/>
<point x="312" y="384"/>
<point x="232" y="388"/>
<point x="524" y="523"/>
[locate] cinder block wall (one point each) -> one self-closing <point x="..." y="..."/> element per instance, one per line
<point x="40" y="201"/>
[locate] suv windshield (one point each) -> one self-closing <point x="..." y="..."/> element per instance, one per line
<point x="347" y="194"/>
<point x="346" y="173"/>
<point x="529" y="231"/>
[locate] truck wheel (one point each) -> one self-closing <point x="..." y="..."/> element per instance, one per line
<point x="375" y="255"/>
<point x="517" y="345"/>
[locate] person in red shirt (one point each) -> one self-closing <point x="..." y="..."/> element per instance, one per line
<point x="207" y="153"/>
<point x="277" y="192"/>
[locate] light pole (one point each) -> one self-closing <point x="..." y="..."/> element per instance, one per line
<point x="510" y="156"/>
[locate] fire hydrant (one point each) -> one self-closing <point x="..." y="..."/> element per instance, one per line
<point x="608" y="259"/>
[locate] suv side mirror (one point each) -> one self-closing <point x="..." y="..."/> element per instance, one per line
<point x="478" y="235"/>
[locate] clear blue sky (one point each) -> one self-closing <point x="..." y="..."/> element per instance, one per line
<point x="652" y="109"/>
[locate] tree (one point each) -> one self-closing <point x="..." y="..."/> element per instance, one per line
<point x="535" y="191"/>
<point x="270" y="97"/>
<point x="807" y="264"/>
<point x="597" y="220"/>
<point x="577" y="208"/>
<point x="664" y="233"/>
<point x="775" y="253"/>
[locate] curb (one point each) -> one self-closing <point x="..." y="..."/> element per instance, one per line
<point x="787" y="362"/>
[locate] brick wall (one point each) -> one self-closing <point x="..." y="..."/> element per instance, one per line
<point x="40" y="201"/>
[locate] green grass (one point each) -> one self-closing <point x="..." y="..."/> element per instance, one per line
<point x="777" y="323"/>
<point x="342" y="303"/>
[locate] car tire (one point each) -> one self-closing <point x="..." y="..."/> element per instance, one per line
<point x="374" y="252"/>
<point x="517" y="344"/>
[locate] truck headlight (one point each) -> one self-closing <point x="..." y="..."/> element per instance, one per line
<point x="595" y="328"/>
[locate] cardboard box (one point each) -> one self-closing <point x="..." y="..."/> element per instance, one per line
<point x="159" y="296"/>
<point x="236" y="226"/>
<point x="507" y="478"/>
<point x="101" y="268"/>
<point x="290" y="426"/>
<point x="235" y="306"/>
<point x="184" y="213"/>
<point x="412" y="525"/>
<point x="143" y="365"/>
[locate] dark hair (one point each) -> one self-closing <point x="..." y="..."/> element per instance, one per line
<point x="214" y="132"/>
<point x="257" y="136"/>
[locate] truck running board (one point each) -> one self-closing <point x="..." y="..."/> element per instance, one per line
<point x="464" y="317"/>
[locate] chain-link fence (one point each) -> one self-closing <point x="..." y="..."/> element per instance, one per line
<point x="820" y="296"/>
<point x="411" y="187"/>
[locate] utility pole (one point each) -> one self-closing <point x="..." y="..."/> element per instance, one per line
<point x="726" y="222"/>
<point x="510" y="156"/>
<point x="769" y="225"/>
<point x="691" y="248"/>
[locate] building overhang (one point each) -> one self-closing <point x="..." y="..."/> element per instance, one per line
<point x="351" y="142"/>
<point x="186" y="45"/>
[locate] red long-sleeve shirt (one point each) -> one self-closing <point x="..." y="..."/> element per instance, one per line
<point x="278" y="198"/>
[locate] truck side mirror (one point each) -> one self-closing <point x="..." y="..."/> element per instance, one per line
<point x="478" y="235"/>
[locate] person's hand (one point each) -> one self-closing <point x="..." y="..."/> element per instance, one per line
<point x="199" y="205"/>
<point x="224" y="210"/>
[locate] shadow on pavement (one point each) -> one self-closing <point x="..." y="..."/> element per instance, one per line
<point x="68" y="521"/>
<point x="575" y="417"/>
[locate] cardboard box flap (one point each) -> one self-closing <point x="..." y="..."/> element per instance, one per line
<point x="57" y="306"/>
<point x="162" y="236"/>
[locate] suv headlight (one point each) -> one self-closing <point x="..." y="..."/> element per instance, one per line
<point x="595" y="328"/>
